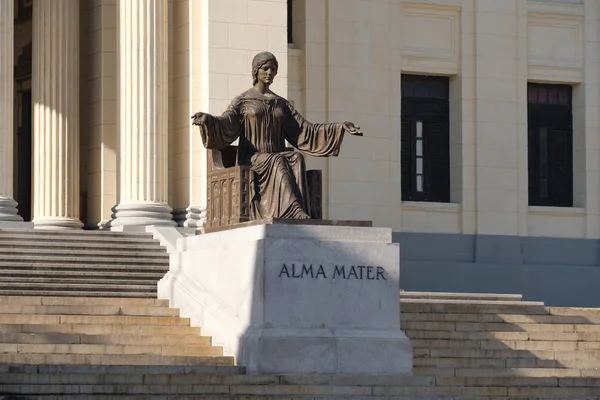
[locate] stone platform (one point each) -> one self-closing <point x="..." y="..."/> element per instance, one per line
<point x="295" y="298"/>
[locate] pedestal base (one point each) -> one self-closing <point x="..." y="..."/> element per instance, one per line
<point x="295" y="299"/>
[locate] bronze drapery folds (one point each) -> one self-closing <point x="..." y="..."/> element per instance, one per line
<point x="263" y="121"/>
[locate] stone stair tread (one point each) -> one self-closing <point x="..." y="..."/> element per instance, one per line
<point x="115" y="339"/>
<point x="75" y="286"/>
<point x="76" y="301"/>
<point x="508" y="318"/>
<point x="95" y="329"/>
<point x="494" y="344"/>
<point x="96" y="252"/>
<point x="123" y="369"/>
<point x="88" y="266"/>
<point x="111" y="349"/>
<point x="324" y="390"/>
<point x="127" y="310"/>
<point x="473" y="302"/>
<point x="92" y="319"/>
<point x="498" y="327"/>
<point x="88" y="259"/>
<point x="152" y="274"/>
<point x="502" y="336"/>
<point x="90" y="234"/>
<point x="20" y="292"/>
<point x="459" y="296"/>
<point x="46" y="243"/>
<point x="80" y="279"/>
<point x="113" y="359"/>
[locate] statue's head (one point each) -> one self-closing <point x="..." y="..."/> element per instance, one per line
<point x="260" y="60"/>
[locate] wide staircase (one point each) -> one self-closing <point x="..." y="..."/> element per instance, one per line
<point x="103" y="336"/>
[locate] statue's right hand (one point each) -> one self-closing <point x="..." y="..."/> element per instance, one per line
<point x="199" y="118"/>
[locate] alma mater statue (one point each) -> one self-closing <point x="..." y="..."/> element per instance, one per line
<point x="262" y="121"/>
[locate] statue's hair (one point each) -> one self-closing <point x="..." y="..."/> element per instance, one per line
<point x="259" y="60"/>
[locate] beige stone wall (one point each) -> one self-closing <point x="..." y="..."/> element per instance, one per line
<point x="349" y="55"/>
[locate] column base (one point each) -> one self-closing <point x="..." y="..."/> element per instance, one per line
<point x="8" y="210"/>
<point x="57" y="223"/>
<point x="136" y="216"/>
<point x="190" y="217"/>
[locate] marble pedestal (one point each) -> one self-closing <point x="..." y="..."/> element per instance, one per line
<point x="295" y="299"/>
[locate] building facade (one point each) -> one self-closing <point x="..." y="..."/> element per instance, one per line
<point x="481" y="123"/>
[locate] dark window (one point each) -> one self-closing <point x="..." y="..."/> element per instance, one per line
<point x="550" y="144"/>
<point x="425" y="142"/>
<point x="290" y="20"/>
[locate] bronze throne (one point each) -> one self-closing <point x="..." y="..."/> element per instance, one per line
<point x="231" y="188"/>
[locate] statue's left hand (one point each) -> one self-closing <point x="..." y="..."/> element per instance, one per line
<point x="352" y="129"/>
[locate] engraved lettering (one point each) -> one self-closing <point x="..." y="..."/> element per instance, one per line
<point x="339" y="271"/>
<point x="306" y="271"/>
<point x="361" y="268"/>
<point x="370" y="275"/>
<point x="294" y="274"/>
<point x="352" y="272"/>
<point x="380" y="272"/>
<point x="284" y="270"/>
<point x="321" y="271"/>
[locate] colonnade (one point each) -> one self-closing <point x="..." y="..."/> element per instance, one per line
<point x="142" y="121"/>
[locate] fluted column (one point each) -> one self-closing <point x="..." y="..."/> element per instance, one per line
<point x="8" y="206"/>
<point x="56" y="114"/>
<point x="143" y="113"/>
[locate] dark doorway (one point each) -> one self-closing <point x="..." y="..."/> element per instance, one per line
<point x="23" y="157"/>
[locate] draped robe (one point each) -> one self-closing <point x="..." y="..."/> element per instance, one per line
<point x="263" y="124"/>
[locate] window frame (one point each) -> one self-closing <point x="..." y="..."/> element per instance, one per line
<point x="425" y="110"/>
<point x="550" y="115"/>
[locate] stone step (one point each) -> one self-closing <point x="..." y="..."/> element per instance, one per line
<point x="25" y="349"/>
<point x="504" y="344"/>
<point x="460" y="296"/>
<point x="73" y="234"/>
<point x="473" y="302"/>
<point x="502" y="336"/>
<point x="495" y="373"/>
<point x="97" y="329"/>
<point x="85" y="267"/>
<point x="40" y="300"/>
<point x="506" y="353"/>
<point x="112" y="359"/>
<point x="88" y="259"/>
<point x="116" y="339"/>
<point x="42" y="244"/>
<point x="154" y="275"/>
<point x="498" y="327"/>
<point x="198" y="371"/>
<point x="92" y="320"/>
<point x="418" y="306"/>
<point x="509" y="318"/>
<point x="77" y="287"/>
<point x="19" y="292"/>
<point x="463" y="362"/>
<point x="91" y="374"/>
<point x="301" y="391"/>
<point x="581" y="312"/>
<point x="511" y="362"/>
<point x="108" y="309"/>
<point x="157" y="253"/>
<point x="79" y="281"/>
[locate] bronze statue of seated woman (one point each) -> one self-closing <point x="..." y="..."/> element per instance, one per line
<point x="263" y="121"/>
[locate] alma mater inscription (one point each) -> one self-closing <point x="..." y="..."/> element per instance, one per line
<point x="357" y="272"/>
